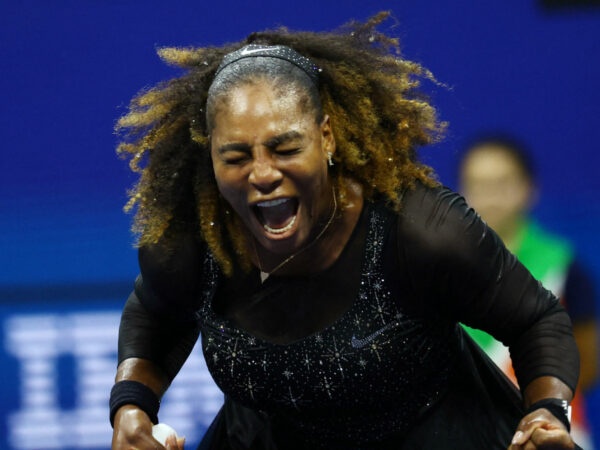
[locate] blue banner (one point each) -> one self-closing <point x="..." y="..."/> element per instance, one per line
<point x="58" y="365"/>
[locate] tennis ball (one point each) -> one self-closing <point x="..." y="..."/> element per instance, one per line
<point x="161" y="431"/>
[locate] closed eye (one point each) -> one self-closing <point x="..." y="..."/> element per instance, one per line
<point x="287" y="151"/>
<point x="235" y="157"/>
<point x="234" y="152"/>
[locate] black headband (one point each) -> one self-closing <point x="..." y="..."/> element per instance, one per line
<point x="272" y="51"/>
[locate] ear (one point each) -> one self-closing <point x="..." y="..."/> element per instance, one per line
<point x="327" y="139"/>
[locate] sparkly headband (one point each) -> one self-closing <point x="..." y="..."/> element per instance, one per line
<point x="272" y="51"/>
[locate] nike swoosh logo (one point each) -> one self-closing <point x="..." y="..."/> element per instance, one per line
<point x="247" y="51"/>
<point x="360" y="343"/>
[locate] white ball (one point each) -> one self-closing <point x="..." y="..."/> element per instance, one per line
<point x="161" y="431"/>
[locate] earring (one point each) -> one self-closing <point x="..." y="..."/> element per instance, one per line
<point x="329" y="159"/>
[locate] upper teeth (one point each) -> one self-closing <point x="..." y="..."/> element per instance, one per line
<point x="269" y="203"/>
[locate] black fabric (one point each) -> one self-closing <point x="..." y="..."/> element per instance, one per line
<point x="449" y="267"/>
<point x="461" y="421"/>
<point x="457" y="421"/>
<point x="238" y="428"/>
<point x="128" y="392"/>
<point x="377" y="362"/>
<point x="481" y="397"/>
<point x="459" y="268"/>
<point x="164" y="341"/>
<point x="171" y="278"/>
<point x="285" y="309"/>
<point x="480" y="411"/>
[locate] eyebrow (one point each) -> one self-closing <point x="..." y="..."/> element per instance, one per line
<point x="282" y="138"/>
<point x="235" y="147"/>
<point x="269" y="143"/>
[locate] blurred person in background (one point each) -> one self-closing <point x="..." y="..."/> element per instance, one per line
<point x="284" y="217"/>
<point x="497" y="178"/>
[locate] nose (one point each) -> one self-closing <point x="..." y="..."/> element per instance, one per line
<point x="265" y="176"/>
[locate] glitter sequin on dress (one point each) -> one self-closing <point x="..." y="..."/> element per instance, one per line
<point x="378" y="364"/>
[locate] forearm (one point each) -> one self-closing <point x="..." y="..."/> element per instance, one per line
<point x="131" y="420"/>
<point x="144" y="371"/>
<point x="547" y="349"/>
<point x="546" y="425"/>
<point x="546" y="387"/>
<point x="151" y="352"/>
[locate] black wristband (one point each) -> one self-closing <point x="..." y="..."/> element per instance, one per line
<point x="559" y="409"/>
<point x="129" y="392"/>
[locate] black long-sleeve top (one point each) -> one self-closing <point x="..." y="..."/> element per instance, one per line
<point x="375" y="333"/>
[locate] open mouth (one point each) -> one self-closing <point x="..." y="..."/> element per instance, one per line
<point x="277" y="216"/>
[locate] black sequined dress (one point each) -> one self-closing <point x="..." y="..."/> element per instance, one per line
<point x="394" y="370"/>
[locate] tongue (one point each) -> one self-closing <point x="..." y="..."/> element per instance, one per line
<point x="278" y="216"/>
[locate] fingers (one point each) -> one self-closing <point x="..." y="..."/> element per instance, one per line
<point x="542" y="439"/>
<point x="537" y="419"/>
<point x="174" y="443"/>
<point x="552" y="439"/>
<point x="540" y="430"/>
<point x="133" y="429"/>
<point x="140" y="441"/>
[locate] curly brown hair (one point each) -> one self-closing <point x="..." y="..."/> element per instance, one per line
<point x="368" y="90"/>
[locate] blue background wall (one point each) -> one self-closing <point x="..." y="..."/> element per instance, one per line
<point x="68" y="69"/>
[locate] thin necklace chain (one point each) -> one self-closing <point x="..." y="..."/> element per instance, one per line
<point x="264" y="275"/>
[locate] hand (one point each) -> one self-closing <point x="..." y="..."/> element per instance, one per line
<point x="133" y="429"/>
<point x="175" y="443"/>
<point x="540" y="430"/>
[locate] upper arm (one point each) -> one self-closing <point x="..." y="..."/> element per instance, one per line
<point x="171" y="277"/>
<point x="464" y="269"/>
<point x="464" y="272"/>
<point x="159" y="323"/>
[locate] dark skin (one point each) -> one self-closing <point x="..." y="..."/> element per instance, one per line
<point x="266" y="169"/>
<point x="487" y="173"/>
<point x="267" y="318"/>
<point x="539" y="430"/>
<point x="133" y="428"/>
